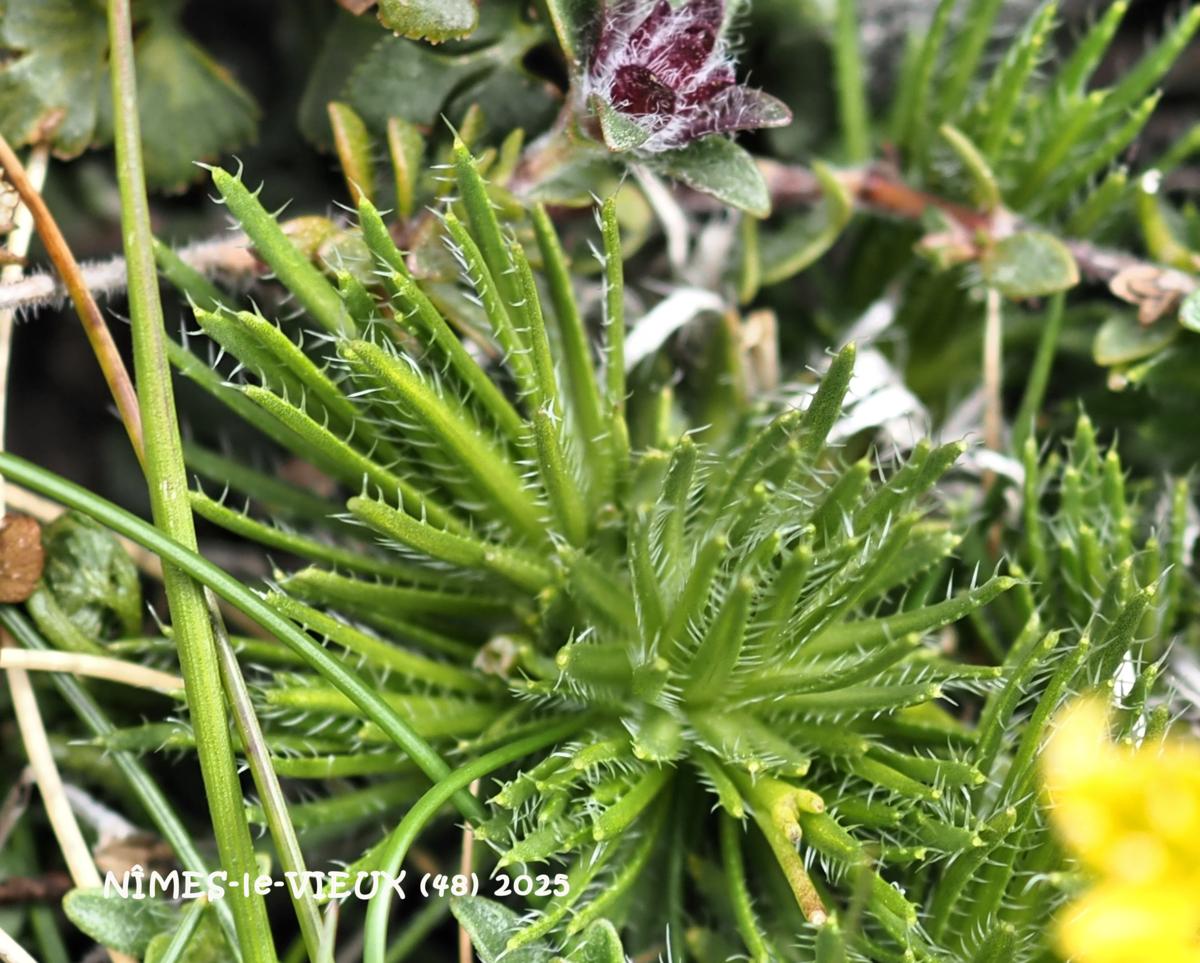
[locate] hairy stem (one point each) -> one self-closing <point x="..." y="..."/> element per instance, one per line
<point x="226" y="256"/>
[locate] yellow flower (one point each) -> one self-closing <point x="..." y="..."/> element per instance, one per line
<point x="1132" y="818"/>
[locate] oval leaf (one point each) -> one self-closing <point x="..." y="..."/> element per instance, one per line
<point x="717" y="166"/>
<point x="432" y="20"/>
<point x="190" y="107"/>
<point x="802" y="240"/>
<point x="206" y="944"/>
<point x="490" y="924"/>
<point x="1029" y="265"/>
<point x="574" y="24"/>
<point x="600" y="944"/>
<point x="54" y="67"/>
<point x="1121" y="340"/>
<point x="120" y="923"/>
<point x="91" y="578"/>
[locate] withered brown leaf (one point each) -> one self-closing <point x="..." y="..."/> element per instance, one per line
<point x="21" y="557"/>
<point x="1154" y="290"/>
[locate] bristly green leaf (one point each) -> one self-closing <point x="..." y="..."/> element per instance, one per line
<point x="490" y="472"/>
<point x="851" y="82"/>
<point x="485" y="225"/>
<point x="976" y="27"/>
<point x="600" y="943"/>
<point x="911" y="116"/>
<point x="432" y="326"/>
<point x="1137" y="83"/>
<point x="998" y="103"/>
<point x="583" y="403"/>
<point x="459" y="550"/>
<point x="1075" y="73"/>
<point x="316" y="294"/>
<point x="1101" y="156"/>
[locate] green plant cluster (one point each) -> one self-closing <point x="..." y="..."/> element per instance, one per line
<point x="738" y="634"/>
<point x="752" y="683"/>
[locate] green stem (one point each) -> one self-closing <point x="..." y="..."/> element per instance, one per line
<point x="420" y="925"/>
<point x="373" y="706"/>
<point x="852" y="96"/>
<point x="1039" y="375"/>
<point x="183" y="934"/>
<point x="167" y="480"/>
<point x="274" y="804"/>
<point x="396" y="846"/>
<point x="739" y="893"/>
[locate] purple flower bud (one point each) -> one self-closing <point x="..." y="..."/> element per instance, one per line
<point x="668" y="70"/>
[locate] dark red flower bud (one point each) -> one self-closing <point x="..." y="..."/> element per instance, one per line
<point x="668" y="70"/>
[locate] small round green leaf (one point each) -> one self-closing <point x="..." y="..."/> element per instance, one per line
<point x="1122" y="340"/>
<point x="1030" y="264"/>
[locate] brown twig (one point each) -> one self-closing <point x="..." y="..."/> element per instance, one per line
<point x="47" y="888"/>
<point x="466" y="867"/>
<point x="879" y="189"/>
<point x="111" y="363"/>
